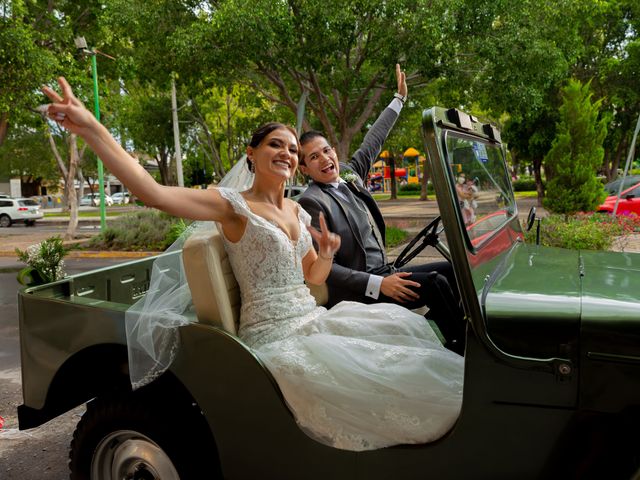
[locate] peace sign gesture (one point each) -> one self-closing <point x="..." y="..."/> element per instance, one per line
<point x="67" y="110"/>
<point x="328" y="243"/>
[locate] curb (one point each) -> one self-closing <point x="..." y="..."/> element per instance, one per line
<point x="93" y="254"/>
<point x="109" y="254"/>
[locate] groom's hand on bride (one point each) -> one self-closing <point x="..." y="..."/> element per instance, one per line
<point x="398" y="287"/>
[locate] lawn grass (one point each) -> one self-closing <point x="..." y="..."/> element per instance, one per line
<point x="386" y="196"/>
<point x="81" y="214"/>
<point x="395" y="236"/>
<point x="530" y="194"/>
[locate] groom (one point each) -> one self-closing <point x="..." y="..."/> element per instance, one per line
<point x="360" y="270"/>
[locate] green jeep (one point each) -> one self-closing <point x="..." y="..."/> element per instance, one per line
<point x="552" y="374"/>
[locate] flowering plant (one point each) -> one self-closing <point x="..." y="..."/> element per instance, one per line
<point x="44" y="262"/>
<point x="348" y="176"/>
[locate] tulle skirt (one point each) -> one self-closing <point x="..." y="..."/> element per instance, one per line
<point x="361" y="377"/>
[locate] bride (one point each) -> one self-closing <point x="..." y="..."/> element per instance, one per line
<point x="357" y="377"/>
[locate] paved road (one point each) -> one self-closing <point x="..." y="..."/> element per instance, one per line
<point x="57" y="228"/>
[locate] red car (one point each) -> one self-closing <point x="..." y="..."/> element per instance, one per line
<point x="629" y="202"/>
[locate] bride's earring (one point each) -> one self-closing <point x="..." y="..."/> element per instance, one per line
<point x="252" y="167"/>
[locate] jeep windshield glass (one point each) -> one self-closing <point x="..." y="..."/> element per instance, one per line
<point x="485" y="198"/>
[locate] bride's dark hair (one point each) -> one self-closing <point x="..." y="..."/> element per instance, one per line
<point x="260" y="134"/>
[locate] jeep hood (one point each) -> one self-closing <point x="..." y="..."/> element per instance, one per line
<point x="540" y="298"/>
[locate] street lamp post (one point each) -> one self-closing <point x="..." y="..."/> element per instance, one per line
<point x="81" y="45"/>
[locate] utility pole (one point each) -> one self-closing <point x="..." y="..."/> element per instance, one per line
<point x="81" y="45"/>
<point x="176" y="132"/>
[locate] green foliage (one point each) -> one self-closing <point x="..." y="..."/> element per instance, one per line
<point x="413" y="189"/>
<point x="22" y="60"/>
<point x="395" y="236"/>
<point x="147" y="229"/>
<point x="524" y="184"/>
<point x="594" y="231"/>
<point x="44" y="261"/>
<point x="410" y="187"/>
<point x="576" y="153"/>
<point x="341" y="53"/>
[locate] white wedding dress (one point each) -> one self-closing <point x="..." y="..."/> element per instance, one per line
<point x="357" y="377"/>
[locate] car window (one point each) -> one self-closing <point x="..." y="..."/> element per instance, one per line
<point x="6" y="203"/>
<point x="485" y="198"/>
<point x="28" y="202"/>
<point x="635" y="192"/>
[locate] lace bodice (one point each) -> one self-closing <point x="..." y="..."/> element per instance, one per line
<point x="268" y="267"/>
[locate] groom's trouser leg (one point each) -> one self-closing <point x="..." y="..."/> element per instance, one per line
<point x="440" y="295"/>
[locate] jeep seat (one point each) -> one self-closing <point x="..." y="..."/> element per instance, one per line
<point x="214" y="289"/>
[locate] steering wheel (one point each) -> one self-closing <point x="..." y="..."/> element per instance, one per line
<point x="427" y="236"/>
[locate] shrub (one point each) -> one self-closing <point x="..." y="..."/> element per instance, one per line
<point x="142" y="230"/>
<point x="593" y="231"/>
<point x="414" y="189"/>
<point x="44" y="262"/>
<point x="524" y="184"/>
<point x="576" y="153"/>
<point x="410" y="187"/>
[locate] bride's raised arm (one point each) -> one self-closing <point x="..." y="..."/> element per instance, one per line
<point x="69" y="112"/>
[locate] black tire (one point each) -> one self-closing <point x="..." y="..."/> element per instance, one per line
<point x="5" y="221"/>
<point x="113" y="432"/>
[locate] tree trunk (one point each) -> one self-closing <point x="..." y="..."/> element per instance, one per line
<point x="72" y="198"/>
<point x="4" y="127"/>
<point x="392" y="173"/>
<point x="515" y="164"/>
<point x="342" y="149"/>
<point x="620" y="150"/>
<point x="166" y="176"/>
<point x="537" y="174"/>
<point x="424" y="195"/>
<point x="606" y="167"/>
<point x="80" y="176"/>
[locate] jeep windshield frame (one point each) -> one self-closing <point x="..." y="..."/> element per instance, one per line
<point x="478" y="256"/>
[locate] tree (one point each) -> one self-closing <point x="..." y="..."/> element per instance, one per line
<point x="145" y="119"/>
<point x="576" y="153"/>
<point x="24" y="60"/>
<point x="221" y="121"/>
<point x="341" y="53"/>
<point x="26" y="154"/>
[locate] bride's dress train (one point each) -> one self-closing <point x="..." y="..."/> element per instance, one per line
<point x="357" y="376"/>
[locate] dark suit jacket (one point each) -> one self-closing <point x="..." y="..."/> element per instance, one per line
<point x="348" y="279"/>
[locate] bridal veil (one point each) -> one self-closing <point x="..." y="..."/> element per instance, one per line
<point x="152" y="322"/>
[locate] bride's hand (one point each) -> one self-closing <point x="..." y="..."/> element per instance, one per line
<point x="67" y="110"/>
<point x="328" y="243"/>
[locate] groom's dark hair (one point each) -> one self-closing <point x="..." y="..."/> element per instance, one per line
<point x="305" y="138"/>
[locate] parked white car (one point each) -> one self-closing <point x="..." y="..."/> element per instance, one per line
<point x="93" y="200"/>
<point x="19" y="210"/>
<point x="121" y="198"/>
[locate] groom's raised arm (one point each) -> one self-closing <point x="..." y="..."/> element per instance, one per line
<point x="373" y="141"/>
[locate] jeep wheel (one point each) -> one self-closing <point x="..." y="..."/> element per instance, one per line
<point x="128" y="437"/>
<point x="5" y="221"/>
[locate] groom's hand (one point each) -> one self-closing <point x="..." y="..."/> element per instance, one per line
<point x="397" y="287"/>
<point x="401" y="79"/>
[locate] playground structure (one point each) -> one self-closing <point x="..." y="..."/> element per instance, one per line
<point x="408" y="170"/>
